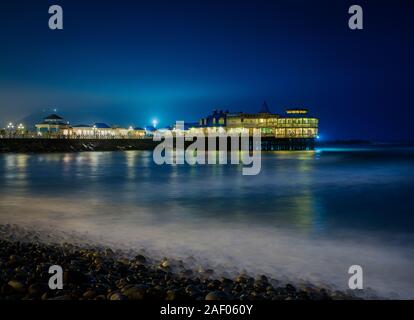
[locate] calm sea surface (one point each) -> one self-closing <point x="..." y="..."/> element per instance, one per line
<point x="307" y="215"/>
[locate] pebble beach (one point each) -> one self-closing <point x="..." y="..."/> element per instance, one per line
<point x="100" y="273"/>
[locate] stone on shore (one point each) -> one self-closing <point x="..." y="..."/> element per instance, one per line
<point x="37" y="290"/>
<point x="134" y="292"/>
<point x="18" y="286"/>
<point x="216" y="295"/>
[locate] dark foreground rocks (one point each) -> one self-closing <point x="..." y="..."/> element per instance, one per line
<point x="102" y="274"/>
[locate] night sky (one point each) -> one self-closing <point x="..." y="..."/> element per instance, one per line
<point x="128" y="62"/>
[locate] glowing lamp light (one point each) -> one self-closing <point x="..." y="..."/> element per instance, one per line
<point x="318" y="137"/>
<point x="154" y="123"/>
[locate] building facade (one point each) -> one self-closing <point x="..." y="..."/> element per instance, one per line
<point x="55" y="126"/>
<point x="52" y="125"/>
<point x="82" y="131"/>
<point x="295" y="123"/>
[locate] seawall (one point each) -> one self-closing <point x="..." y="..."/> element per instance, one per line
<point x="70" y="145"/>
<point x="74" y="145"/>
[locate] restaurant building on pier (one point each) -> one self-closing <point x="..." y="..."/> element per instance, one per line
<point x="294" y="123"/>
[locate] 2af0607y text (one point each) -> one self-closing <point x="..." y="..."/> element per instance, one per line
<point x="208" y="309"/>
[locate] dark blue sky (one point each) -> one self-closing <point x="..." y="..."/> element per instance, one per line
<point x="127" y="62"/>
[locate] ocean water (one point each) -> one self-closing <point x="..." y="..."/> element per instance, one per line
<point x="307" y="216"/>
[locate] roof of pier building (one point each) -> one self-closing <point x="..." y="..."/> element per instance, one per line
<point x="101" y="125"/>
<point x="264" y="108"/>
<point x="216" y="119"/>
<point x="298" y="113"/>
<point x="53" y="119"/>
<point x="150" y="128"/>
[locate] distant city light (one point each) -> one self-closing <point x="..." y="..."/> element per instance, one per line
<point x="130" y="128"/>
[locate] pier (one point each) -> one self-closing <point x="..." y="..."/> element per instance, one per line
<point x="73" y="145"/>
<point x="275" y="144"/>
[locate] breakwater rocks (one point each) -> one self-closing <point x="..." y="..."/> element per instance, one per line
<point x="72" y="145"/>
<point x="92" y="273"/>
<point x="37" y="145"/>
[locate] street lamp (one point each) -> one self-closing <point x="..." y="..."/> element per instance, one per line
<point x="10" y="128"/>
<point x="20" y="128"/>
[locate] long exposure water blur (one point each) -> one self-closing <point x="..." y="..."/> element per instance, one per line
<point x="307" y="215"/>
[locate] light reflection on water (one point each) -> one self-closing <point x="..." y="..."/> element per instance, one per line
<point x="320" y="190"/>
<point x="322" y="205"/>
<point x="295" y="189"/>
